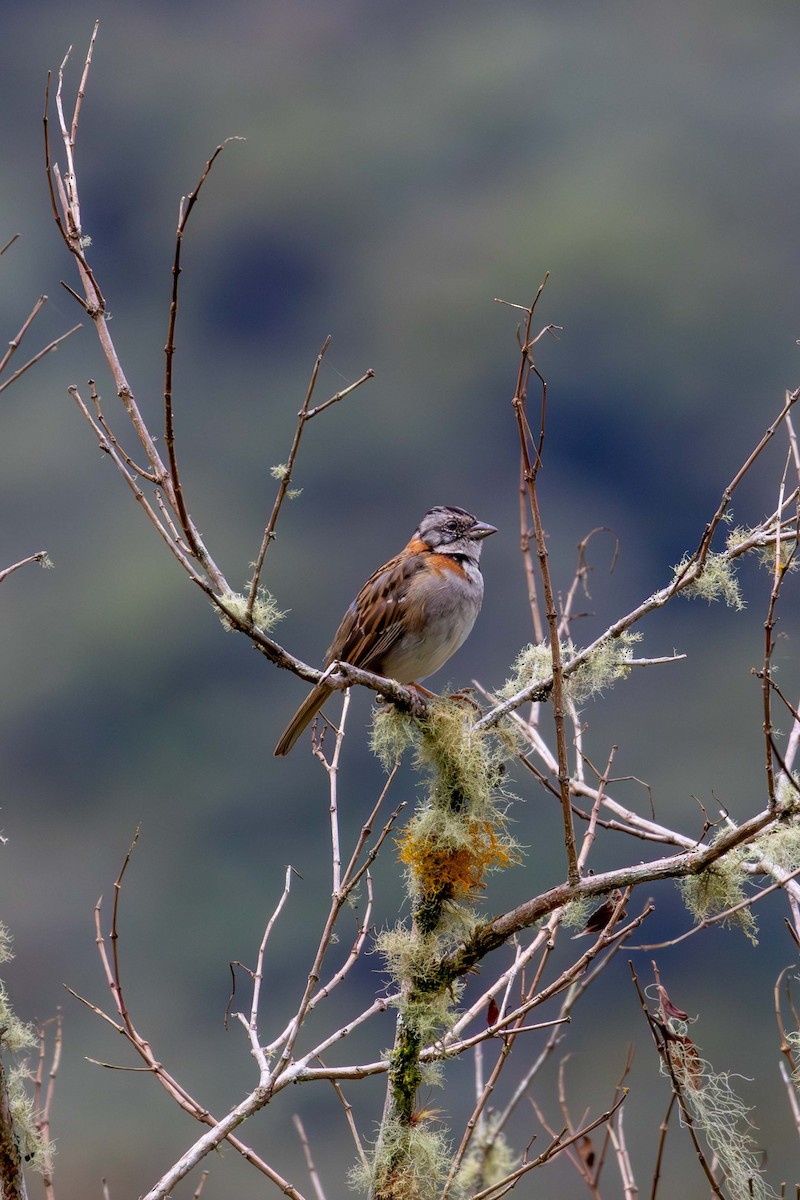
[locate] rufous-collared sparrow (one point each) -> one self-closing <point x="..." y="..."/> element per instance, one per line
<point x="413" y="613"/>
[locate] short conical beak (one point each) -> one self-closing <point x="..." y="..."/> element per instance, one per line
<point x="481" y="530"/>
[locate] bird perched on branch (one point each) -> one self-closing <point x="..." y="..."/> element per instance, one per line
<point x="413" y="613"/>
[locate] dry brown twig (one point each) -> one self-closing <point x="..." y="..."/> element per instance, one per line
<point x="16" y="342"/>
<point x="561" y="1142"/>
<point x="305" y="414"/>
<point x="531" y="457"/>
<point x="788" y="1069"/>
<point x="586" y="1161"/>
<point x="309" y="1157"/>
<point x="40" y="557"/>
<point x="43" y="1092"/>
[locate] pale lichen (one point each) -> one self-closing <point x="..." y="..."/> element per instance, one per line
<point x="489" y="1161"/>
<point x="715" y="581"/>
<point x="719" y="1114"/>
<point x="266" y="613"/>
<point x="18" y="1037"/>
<point x="608" y="662"/>
<point x="722" y="885"/>
<point x="409" y="1162"/>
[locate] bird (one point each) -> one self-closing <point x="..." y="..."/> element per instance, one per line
<point x="413" y="613"/>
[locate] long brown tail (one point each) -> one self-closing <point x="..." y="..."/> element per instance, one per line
<point x="303" y="717"/>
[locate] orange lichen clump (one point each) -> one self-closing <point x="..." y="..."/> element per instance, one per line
<point x="455" y="870"/>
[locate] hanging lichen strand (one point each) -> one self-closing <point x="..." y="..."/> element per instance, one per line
<point x="458" y="834"/>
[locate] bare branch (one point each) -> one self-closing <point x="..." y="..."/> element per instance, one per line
<point x="190" y="533"/>
<point x="40" y="354"/>
<point x="286" y="471"/>
<point x="312" y="1170"/>
<point x="40" y="556"/>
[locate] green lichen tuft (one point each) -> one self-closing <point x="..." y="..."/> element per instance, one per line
<point x="489" y="1161"/>
<point x="778" y="847"/>
<point x="533" y="666"/>
<point x="393" y="733"/>
<point x="609" y="662"/>
<point x="409" y="1163"/>
<point x="576" y="913"/>
<point x="266" y="613"/>
<point x="406" y="955"/>
<point x="465" y="765"/>
<point x="17" y="1037"/>
<point x="458" y="834"/>
<point x="36" y="1153"/>
<point x="767" y="548"/>
<point x="720" y="887"/>
<point x="719" y="1114"/>
<point x="788" y="793"/>
<point x="716" y="581"/>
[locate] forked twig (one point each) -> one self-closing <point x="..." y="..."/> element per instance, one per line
<point x="531" y="454"/>
<point x="559" y="1143"/>
<point x="285" y="472"/>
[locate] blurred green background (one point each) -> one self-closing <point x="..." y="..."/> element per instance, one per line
<point x="404" y="165"/>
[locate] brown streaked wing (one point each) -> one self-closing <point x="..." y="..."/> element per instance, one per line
<point x="364" y="642"/>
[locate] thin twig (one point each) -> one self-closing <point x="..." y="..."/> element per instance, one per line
<point x="43" y="1096"/>
<point x="190" y="533"/>
<point x="701" y="553"/>
<point x="721" y="916"/>
<point x="286" y="471"/>
<point x="258" y="975"/>
<point x="332" y="770"/>
<point x="657" y="1029"/>
<point x="201" y="1184"/>
<point x="348" y="1112"/>
<point x="531" y="456"/>
<point x="14" y="344"/>
<point x="40" y="556"/>
<point x="683" y="579"/>
<point x="662" y="1140"/>
<point x="36" y="357"/>
<point x="559" y="1143"/>
<point x="312" y="1170"/>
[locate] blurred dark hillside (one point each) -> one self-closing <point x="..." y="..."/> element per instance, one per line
<point x="403" y="166"/>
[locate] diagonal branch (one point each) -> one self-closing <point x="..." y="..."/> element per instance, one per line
<point x="531" y="457"/>
<point x="286" y="471"/>
<point x="198" y="550"/>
